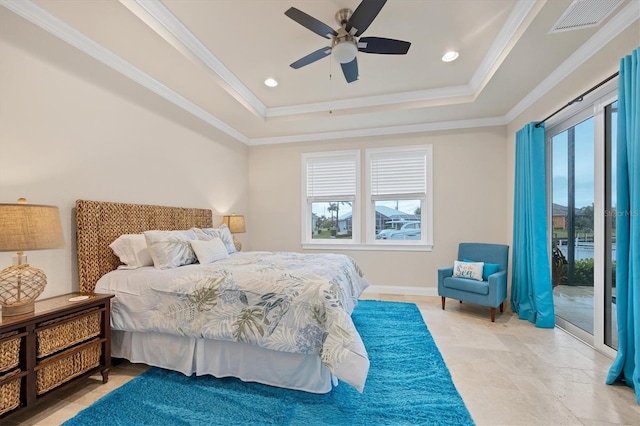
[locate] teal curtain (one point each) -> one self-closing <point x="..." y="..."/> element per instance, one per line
<point x="626" y="366"/>
<point x="531" y="290"/>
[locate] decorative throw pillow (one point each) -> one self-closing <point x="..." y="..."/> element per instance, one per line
<point x="132" y="251"/>
<point x="206" y="234"/>
<point x="209" y="251"/>
<point x="170" y="249"/>
<point x="488" y="269"/>
<point x="222" y="232"/>
<point x="227" y="238"/>
<point x="470" y="270"/>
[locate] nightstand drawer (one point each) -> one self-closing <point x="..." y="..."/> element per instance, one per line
<point x="10" y="391"/>
<point x="63" y="367"/>
<point x="61" y="333"/>
<point x="9" y="350"/>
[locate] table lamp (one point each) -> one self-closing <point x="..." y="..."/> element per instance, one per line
<point x="236" y="226"/>
<point x="25" y="227"/>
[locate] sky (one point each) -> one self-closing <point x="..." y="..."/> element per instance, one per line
<point x="584" y="165"/>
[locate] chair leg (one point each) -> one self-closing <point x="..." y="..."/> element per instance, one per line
<point x="502" y="307"/>
<point x="443" y="303"/>
<point x="493" y="314"/>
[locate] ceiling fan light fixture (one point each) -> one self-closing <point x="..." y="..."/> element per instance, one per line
<point x="450" y="56"/>
<point x="345" y="51"/>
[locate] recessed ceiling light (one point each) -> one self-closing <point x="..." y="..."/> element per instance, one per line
<point x="271" y="82"/>
<point x="450" y="56"/>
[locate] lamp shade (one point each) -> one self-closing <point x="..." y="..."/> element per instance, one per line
<point x="235" y="223"/>
<point x="26" y="227"/>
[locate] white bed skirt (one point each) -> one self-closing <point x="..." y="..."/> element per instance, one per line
<point x="249" y="363"/>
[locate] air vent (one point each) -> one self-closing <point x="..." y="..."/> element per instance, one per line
<point x="584" y="14"/>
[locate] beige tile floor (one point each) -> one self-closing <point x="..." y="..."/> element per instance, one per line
<point x="508" y="373"/>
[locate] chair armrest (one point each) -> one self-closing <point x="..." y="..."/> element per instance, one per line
<point x="498" y="286"/>
<point x="445" y="272"/>
<point x="442" y="274"/>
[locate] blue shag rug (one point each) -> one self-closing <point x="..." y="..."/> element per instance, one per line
<point x="408" y="384"/>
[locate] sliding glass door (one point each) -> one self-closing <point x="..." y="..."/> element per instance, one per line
<point x="573" y="224"/>
<point x="582" y="157"/>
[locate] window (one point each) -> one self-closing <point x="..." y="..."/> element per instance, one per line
<point x="330" y="185"/>
<point x="396" y="193"/>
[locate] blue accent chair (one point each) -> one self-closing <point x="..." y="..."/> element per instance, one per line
<point x="492" y="291"/>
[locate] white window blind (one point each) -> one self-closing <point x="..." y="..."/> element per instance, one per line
<point x="398" y="173"/>
<point x="331" y="177"/>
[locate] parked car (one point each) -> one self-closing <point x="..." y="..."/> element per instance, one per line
<point x="408" y="231"/>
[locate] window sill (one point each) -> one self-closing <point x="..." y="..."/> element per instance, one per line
<point x="367" y="247"/>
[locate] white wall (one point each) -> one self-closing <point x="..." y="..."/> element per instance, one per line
<point x="469" y="201"/>
<point x="73" y="129"/>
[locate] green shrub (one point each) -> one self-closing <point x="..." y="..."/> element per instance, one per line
<point x="582" y="272"/>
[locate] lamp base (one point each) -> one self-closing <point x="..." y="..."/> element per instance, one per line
<point x="20" y="286"/>
<point x="17" y="310"/>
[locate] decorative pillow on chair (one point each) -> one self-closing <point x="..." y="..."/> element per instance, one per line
<point x="132" y="251"/>
<point x="170" y="249"/>
<point x="488" y="269"/>
<point x="470" y="270"/>
<point x="209" y="251"/>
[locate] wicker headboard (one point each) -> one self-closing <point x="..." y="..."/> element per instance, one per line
<point x="99" y="223"/>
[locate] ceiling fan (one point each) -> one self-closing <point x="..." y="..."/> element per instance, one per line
<point x="345" y="43"/>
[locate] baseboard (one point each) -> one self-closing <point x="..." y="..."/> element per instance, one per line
<point x="402" y="290"/>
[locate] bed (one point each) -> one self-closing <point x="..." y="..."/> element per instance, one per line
<point x="281" y="319"/>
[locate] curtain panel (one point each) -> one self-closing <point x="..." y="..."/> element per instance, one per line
<point x="626" y="366"/>
<point x="531" y="290"/>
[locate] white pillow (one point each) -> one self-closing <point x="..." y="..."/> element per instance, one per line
<point x="132" y="251"/>
<point x="222" y="232"/>
<point x="170" y="249"/>
<point x="471" y="270"/>
<point x="209" y="251"/>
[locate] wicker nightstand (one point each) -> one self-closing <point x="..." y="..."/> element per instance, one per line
<point x="43" y="352"/>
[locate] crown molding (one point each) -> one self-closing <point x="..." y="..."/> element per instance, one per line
<point x="445" y="96"/>
<point x="43" y="19"/>
<point x="599" y="40"/>
<point x="381" y="131"/>
<point x="153" y="12"/>
<point x="519" y="19"/>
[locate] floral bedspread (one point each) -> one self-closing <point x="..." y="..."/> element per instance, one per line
<point x="291" y="302"/>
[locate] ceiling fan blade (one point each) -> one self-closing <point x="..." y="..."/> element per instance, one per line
<point x="350" y="70"/>
<point x="384" y="46"/>
<point x="364" y="15"/>
<point x="311" y="57"/>
<point x="311" y="23"/>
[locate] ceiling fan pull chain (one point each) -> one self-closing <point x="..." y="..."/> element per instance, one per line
<point x="330" y="83"/>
